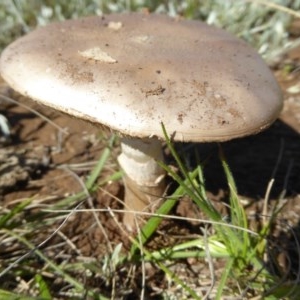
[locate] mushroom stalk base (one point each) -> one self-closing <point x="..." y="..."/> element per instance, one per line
<point x="144" y="179"/>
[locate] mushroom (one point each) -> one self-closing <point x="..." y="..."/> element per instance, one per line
<point x="132" y="72"/>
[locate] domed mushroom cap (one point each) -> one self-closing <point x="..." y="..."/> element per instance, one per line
<point x="131" y="72"/>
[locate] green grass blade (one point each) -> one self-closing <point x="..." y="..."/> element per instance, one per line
<point x="240" y="241"/>
<point x="100" y="165"/>
<point x="289" y="289"/>
<point x="188" y="249"/>
<point x="179" y="282"/>
<point x="4" y="219"/>
<point x="226" y="273"/>
<point x="194" y="189"/>
<point x="6" y="295"/>
<point x="43" y="287"/>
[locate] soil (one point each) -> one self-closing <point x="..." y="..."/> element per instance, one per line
<point x="39" y="161"/>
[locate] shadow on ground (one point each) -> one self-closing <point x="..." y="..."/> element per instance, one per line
<point x="253" y="161"/>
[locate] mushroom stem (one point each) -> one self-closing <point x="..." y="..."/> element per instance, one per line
<point x="144" y="179"/>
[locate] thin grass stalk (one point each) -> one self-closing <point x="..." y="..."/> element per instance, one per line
<point x="238" y="216"/>
<point x="224" y="278"/>
<point x="100" y="164"/>
<point x="191" y="189"/>
<point x="6" y="218"/>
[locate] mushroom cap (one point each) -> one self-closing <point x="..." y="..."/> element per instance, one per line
<point x="133" y="71"/>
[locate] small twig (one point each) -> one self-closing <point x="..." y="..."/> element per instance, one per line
<point x="139" y="235"/>
<point x="69" y="242"/>
<point x="210" y="264"/>
<point x="279" y="158"/>
<point x="266" y="202"/>
<point x="162" y="216"/>
<point x="287" y="177"/>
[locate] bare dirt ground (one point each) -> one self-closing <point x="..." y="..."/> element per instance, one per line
<point x="38" y="162"/>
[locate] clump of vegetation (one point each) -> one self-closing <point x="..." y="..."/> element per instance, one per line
<point x="239" y="262"/>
